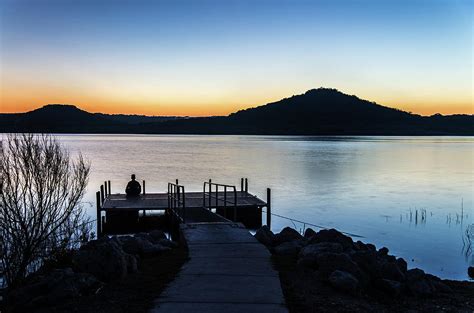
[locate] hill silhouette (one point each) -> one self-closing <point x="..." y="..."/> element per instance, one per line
<point x="322" y="111"/>
<point x="317" y="112"/>
<point x="64" y="118"/>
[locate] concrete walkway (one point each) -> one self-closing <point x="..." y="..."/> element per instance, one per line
<point x="228" y="271"/>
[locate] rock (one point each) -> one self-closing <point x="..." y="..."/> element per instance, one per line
<point x="131" y="244"/>
<point x="332" y="235"/>
<point x="140" y="245"/>
<point x="55" y="286"/>
<point x="418" y="284"/>
<point x="313" y="250"/>
<point x="309" y="233"/>
<point x="383" y="251"/>
<point x="438" y="284"/>
<point x="308" y="255"/>
<point x="391" y="271"/>
<point x="344" y="281"/>
<point x="328" y="262"/>
<point x="420" y="288"/>
<point x="368" y="262"/>
<point x="415" y="274"/>
<point x="168" y="243"/>
<point x="390" y="287"/>
<point x="145" y="236"/>
<point x="157" y="235"/>
<point x="265" y="236"/>
<point x="470" y="271"/>
<point x="132" y="263"/>
<point x="371" y="247"/>
<point x="360" y="246"/>
<point x="103" y="258"/>
<point x="290" y="248"/>
<point x="286" y="235"/>
<point x="402" y="265"/>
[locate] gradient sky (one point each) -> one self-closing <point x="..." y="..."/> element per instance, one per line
<point x="215" y="57"/>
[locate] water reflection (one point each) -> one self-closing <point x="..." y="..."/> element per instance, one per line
<point x="399" y="192"/>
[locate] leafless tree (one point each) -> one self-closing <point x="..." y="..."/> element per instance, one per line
<point x="40" y="202"/>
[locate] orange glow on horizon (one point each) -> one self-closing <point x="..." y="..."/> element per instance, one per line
<point x="25" y="103"/>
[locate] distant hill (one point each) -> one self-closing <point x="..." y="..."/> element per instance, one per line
<point x="63" y="118"/>
<point x="317" y="112"/>
<point x="321" y="112"/>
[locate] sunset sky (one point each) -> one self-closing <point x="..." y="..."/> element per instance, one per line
<point x="215" y="57"/>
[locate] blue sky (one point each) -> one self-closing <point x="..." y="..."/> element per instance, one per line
<point x="215" y="57"/>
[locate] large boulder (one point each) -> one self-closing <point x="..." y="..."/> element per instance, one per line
<point x="308" y="233"/>
<point x="286" y="235"/>
<point x="418" y="284"/>
<point x="290" y="248"/>
<point x="157" y="235"/>
<point x="312" y="250"/>
<point x="344" y="281"/>
<point x="328" y="262"/>
<point x="470" y="271"/>
<point x="265" y="236"/>
<point x="402" y="265"/>
<point x="141" y="245"/>
<point x="332" y="235"/>
<point x="103" y="258"/>
<point x="367" y="261"/>
<point x="391" y="287"/>
<point x="167" y="243"/>
<point x="391" y="271"/>
<point x="308" y="255"/>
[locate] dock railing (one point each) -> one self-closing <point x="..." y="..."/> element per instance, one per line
<point x="177" y="201"/>
<point x="229" y="198"/>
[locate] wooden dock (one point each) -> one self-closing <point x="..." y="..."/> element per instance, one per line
<point x="228" y="271"/>
<point x="215" y="203"/>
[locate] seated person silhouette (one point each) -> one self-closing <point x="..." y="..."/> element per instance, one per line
<point x="133" y="188"/>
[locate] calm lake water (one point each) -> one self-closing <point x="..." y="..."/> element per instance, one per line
<point x="411" y="194"/>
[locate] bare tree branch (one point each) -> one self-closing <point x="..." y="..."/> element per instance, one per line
<point x="40" y="202"/>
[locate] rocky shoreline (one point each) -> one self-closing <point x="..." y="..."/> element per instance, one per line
<point x="323" y="271"/>
<point x="88" y="274"/>
<point x="327" y="271"/>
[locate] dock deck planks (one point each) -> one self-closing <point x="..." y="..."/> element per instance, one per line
<point x="228" y="271"/>
<point x="159" y="201"/>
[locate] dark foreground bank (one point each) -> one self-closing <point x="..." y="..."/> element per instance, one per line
<point x="118" y="274"/>
<point x="329" y="272"/>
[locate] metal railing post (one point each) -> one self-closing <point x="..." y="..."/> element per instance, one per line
<point x="102" y="196"/>
<point x="269" y="208"/>
<point x="225" y="202"/>
<point x="99" y="221"/>
<point x="184" y="205"/>
<point x="210" y="193"/>
<point x="235" y="205"/>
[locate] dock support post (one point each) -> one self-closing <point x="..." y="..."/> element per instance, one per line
<point x="269" y="208"/>
<point x="246" y="185"/>
<point x="99" y="220"/>
<point x="102" y="195"/>
<point x="210" y="192"/>
<point x="177" y="181"/>
<point x="144" y="191"/>
<point x="106" y="191"/>
<point x="110" y="190"/>
<point x="241" y="185"/>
